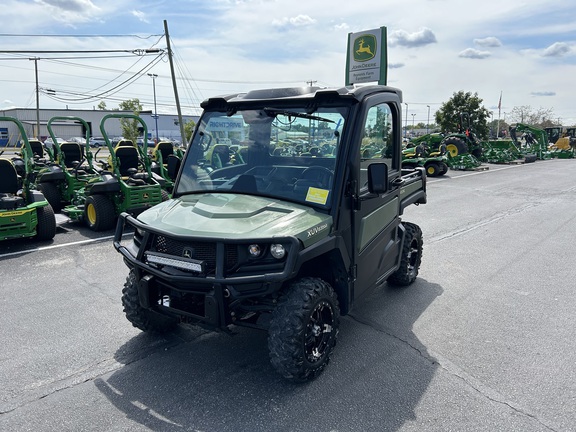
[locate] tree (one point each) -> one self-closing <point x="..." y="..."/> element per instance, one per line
<point x="102" y="106"/>
<point x="188" y="129"/>
<point x="540" y="118"/>
<point x="451" y="115"/>
<point x="130" y="127"/>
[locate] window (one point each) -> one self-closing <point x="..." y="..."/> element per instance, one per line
<point x="377" y="140"/>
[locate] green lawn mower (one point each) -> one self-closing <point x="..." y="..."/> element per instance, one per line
<point x="435" y="163"/>
<point x="24" y="212"/>
<point x="71" y="169"/>
<point x="121" y="187"/>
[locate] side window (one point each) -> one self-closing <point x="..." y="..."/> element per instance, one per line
<point x="377" y="139"/>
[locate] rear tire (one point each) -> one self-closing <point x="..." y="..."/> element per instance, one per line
<point x="143" y="319"/>
<point x="304" y="329"/>
<point x="455" y="146"/>
<point x="99" y="213"/>
<point x="52" y="195"/>
<point x="411" y="257"/>
<point x="444" y="169"/>
<point x="46" y="228"/>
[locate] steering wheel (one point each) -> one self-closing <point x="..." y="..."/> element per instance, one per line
<point x="318" y="173"/>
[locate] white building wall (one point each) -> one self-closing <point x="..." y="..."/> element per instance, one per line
<point x="167" y="124"/>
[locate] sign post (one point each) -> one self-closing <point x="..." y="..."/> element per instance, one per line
<point x="367" y="57"/>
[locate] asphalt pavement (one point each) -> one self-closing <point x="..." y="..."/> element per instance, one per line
<point x="482" y="341"/>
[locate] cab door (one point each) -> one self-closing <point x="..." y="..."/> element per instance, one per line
<point x="376" y="217"/>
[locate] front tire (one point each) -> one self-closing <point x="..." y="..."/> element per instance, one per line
<point x="411" y="257"/>
<point x="46" y="228"/>
<point x="143" y="319"/>
<point x="304" y="329"/>
<point x="432" y="169"/>
<point x="99" y="213"/>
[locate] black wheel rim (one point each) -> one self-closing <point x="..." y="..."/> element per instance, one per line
<point x="412" y="256"/>
<point x="319" y="332"/>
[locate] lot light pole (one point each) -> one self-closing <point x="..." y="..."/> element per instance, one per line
<point x="154" y="76"/>
<point x="413" y="114"/>
<point x="428" y="122"/>
<point x="406" y="121"/>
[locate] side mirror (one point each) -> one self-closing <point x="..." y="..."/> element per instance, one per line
<point x="378" y="178"/>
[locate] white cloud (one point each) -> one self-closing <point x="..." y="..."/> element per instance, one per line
<point x="141" y="16"/>
<point x="297" y="21"/>
<point x="411" y="40"/>
<point x="488" y="42"/>
<point x="70" y="12"/>
<point x="474" y="54"/>
<point x="557" y="49"/>
<point x="544" y="93"/>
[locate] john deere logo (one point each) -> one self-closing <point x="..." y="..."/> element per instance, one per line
<point x="145" y="196"/>
<point x="364" y="48"/>
<point x="188" y="252"/>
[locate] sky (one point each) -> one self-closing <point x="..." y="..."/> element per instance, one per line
<point x="514" y="52"/>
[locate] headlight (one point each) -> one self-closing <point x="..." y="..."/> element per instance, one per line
<point x="277" y="251"/>
<point x="254" y="250"/>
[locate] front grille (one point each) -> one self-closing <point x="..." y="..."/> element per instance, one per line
<point x="202" y="251"/>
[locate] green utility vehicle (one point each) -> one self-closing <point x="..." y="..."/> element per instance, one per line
<point x="435" y="163"/>
<point x="121" y="187"/>
<point x="24" y="212"/>
<point x="72" y="168"/>
<point x="286" y="238"/>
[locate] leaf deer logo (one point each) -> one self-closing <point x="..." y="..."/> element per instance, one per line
<point x="364" y="48"/>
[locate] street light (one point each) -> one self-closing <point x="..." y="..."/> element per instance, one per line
<point x="428" y="122"/>
<point x="413" y="114"/>
<point x="154" y="76"/>
<point x="406" y="121"/>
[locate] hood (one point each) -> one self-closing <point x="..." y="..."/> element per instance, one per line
<point x="237" y="216"/>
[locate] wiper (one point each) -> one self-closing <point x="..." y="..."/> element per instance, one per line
<point x="273" y="112"/>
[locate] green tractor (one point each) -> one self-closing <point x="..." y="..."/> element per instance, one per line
<point x="70" y="171"/>
<point x="536" y="141"/>
<point x="121" y="187"/>
<point x="463" y="148"/>
<point x="24" y="212"/>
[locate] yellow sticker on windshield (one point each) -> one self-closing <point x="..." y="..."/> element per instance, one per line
<point x="318" y="196"/>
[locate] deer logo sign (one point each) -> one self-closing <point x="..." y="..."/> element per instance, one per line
<point x="364" y="48"/>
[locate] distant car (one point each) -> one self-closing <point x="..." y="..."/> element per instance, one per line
<point x="49" y="143"/>
<point x="97" y="142"/>
<point x="80" y="140"/>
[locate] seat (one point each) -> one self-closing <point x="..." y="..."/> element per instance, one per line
<point x="165" y="149"/>
<point x="125" y="143"/>
<point x="245" y="183"/>
<point x="128" y="159"/>
<point x="173" y="166"/>
<point x="72" y="154"/>
<point x="9" y="186"/>
<point x="220" y="156"/>
<point x="37" y="148"/>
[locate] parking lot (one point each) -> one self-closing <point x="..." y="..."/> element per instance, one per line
<point x="483" y="341"/>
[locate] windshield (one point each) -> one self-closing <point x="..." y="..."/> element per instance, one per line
<point x="274" y="152"/>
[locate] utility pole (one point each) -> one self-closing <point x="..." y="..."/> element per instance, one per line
<point x="37" y="98"/>
<point x="311" y="83"/>
<point x="180" y="121"/>
<point x="428" y="122"/>
<point x="154" y="76"/>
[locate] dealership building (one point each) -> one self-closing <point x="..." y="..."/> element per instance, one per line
<point x="164" y="126"/>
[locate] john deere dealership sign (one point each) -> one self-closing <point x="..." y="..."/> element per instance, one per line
<point x="366" y="60"/>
